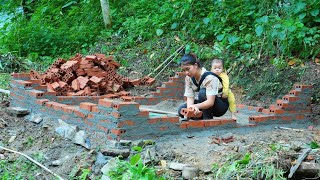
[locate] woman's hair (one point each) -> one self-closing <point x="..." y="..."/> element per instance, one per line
<point x="217" y="61"/>
<point x="189" y="59"/>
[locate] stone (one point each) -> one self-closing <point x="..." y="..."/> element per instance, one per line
<point x="36" y="118"/>
<point x="101" y="159"/>
<point x="116" y="152"/>
<point x="61" y="160"/>
<point x="2" y="157"/>
<point x="125" y="143"/>
<point x="189" y="172"/>
<point x="112" y="163"/>
<point x="12" y="138"/>
<point x="308" y="168"/>
<point x="177" y="166"/>
<point x="17" y="111"/>
<point x="81" y="138"/>
<point x="104" y="177"/>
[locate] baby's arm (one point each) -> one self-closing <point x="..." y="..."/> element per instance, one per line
<point x="225" y="84"/>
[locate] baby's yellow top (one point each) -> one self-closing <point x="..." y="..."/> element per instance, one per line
<point x="225" y="83"/>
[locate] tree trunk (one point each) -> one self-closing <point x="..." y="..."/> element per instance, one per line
<point x="106" y="13"/>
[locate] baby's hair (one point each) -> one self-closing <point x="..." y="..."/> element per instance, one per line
<point x="218" y="61"/>
<point x="189" y="59"/>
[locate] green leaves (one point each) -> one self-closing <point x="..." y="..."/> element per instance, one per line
<point x="159" y="32"/>
<point x="314" y="145"/>
<point x="314" y="12"/>
<point x="259" y="30"/>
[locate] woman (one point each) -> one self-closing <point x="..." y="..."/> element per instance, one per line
<point x="208" y="98"/>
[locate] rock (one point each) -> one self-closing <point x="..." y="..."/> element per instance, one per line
<point x="112" y="163"/>
<point x="17" y="111"/>
<point x="101" y="159"/>
<point x="61" y="160"/>
<point x="104" y="177"/>
<point x="36" y="118"/>
<point x="177" y="166"/>
<point x="2" y="157"/>
<point x="66" y="130"/>
<point x="116" y="152"/>
<point x="126" y="143"/>
<point x="80" y="138"/>
<point x="189" y="172"/>
<point x="308" y="168"/>
<point x="112" y="144"/>
<point x="12" y="138"/>
<point x="139" y="143"/>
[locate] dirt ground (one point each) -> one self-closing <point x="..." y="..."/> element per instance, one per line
<point x="40" y="142"/>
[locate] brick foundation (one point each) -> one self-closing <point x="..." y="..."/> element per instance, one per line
<point x="121" y="118"/>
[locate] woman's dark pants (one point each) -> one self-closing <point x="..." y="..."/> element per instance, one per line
<point x="219" y="108"/>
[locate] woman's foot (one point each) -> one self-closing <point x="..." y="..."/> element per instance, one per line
<point x="233" y="116"/>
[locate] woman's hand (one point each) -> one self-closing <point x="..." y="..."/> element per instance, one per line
<point x="194" y="108"/>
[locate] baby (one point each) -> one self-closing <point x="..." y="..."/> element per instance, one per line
<point x="217" y="68"/>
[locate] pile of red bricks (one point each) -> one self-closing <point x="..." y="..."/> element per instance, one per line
<point x="92" y="75"/>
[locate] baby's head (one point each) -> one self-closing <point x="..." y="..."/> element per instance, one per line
<point x="217" y="66"/>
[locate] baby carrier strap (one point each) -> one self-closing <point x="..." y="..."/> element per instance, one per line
<point x="203" y="77"/>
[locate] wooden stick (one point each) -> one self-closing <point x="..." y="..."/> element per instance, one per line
<point x="178" y="50"/>
<point x="285" y="128"/>
<point x="166" y="66"/>
<point x="299" y="161"/>
<point x="4" y="91"/>
<point x="159" y="111"/>
<point x="37" y="163"/>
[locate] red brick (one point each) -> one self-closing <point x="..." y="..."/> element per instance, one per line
<point x="277" y="111"/>
<point x="213" y="122"/>
<point x="286" y="118"/>
<point x="68" y="109"/>
<point x="259" y="118"/>
<point x="79" y="113"/>
<point x="126" y="98"/>
<point x="116" y="114"/>
<point x="154" y="120"/>
<point x="102" y="128"/>
<point x="106" y="102"/>
<point x="88" y="123"/>
<point x="25" y="83"/>
<point x="183" y="125"/>
<point x="143" y="113"/>
<point x="36" y="94"/>
<point x="163" y="128"/>
<point x="174" y="79"/>
<point x="300" y="117"/>
<point x="118" y="132"/>
<point x="125" y="104"/>
<point x="294" y="92"/>
<point x="42" y="101"/>
<point x="196" y="124"/>
<point x="227" y="121"/>
<point x="170" y="119"/>
<point x="181" y="74"/>
<point x="87" y="106"/>
<point x="290" y="98"/>
<point x="127" y="122"/>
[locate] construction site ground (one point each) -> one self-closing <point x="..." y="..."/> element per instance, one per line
<point x="194" y="148"/>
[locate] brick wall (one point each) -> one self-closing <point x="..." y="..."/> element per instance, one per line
<point x="121" y="118"/>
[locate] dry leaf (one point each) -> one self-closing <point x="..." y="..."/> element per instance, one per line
<point x="291" y="62"/>
<point x="317" y="61"/>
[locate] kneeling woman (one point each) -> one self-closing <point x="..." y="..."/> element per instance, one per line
<point x="202" y="89"/>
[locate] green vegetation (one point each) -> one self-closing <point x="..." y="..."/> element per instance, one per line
<point x="247" y="34"/>
<point x="135" y="168"/>
<point x="261" y="163"/>
<point x="20" y="168"/>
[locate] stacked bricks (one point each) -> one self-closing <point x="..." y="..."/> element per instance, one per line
<point x="293" y="106"/>
<point x="173" y="89"/>
<point x="92" y="75"/>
